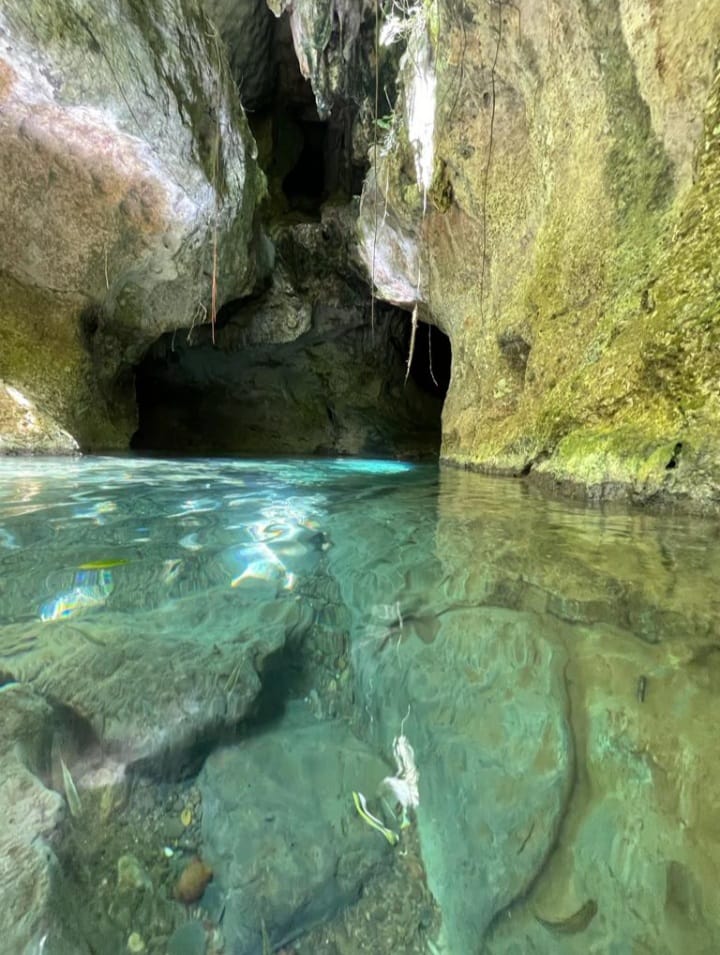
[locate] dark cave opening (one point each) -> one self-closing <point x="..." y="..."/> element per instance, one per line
<point x="431" y="364"/>
<point x="336" y="394"/>
<point x="339" y="387"/>
<point x="305" y="184"/>
<point x="306" y="151"/>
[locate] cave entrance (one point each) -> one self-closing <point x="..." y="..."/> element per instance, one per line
<point x="304" y="185"/>
<point x="431" y="364"/>
<point x="325" y="394"/>
<point x="306" y="151"/>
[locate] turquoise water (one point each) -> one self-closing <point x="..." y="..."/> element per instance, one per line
<point x="204" y="660"/>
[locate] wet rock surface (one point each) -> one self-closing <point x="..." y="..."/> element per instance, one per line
<point x="578" y="317"/>
<point x="280" y="829"/>
<point x="32" y="914"/>
<point x="129" y="179"/>
<point x="148" y="692"/>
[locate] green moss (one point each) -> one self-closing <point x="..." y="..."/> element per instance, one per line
<point x="613" y="454"/>
<point x="441" y="191"/>
<point x="44" y="356"/>
<point x="433" y="20"/>
<point x="638" y="172"/>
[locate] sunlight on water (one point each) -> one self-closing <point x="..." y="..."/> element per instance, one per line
<point x="238" y="696"/>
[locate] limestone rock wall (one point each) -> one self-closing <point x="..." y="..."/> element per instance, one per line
<point x="127" y="177"/>
<point x="247" y="31"/>
<point x="565" y="236"/>
<point x="324" y="36"/>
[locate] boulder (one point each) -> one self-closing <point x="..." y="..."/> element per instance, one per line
<point x="151" y="686"/>
<point x="482" y="703"/>
<point x="31" y="911"/>
<point x="281" y="832"/>
<point x="478" y="691"/>
<point x="128" y="199"/>
<point x="545" y="193"/>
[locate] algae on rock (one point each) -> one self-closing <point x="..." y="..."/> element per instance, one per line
<point x="566" y="249"/>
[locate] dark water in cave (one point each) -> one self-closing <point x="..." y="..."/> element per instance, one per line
<point x="351" y="706"/>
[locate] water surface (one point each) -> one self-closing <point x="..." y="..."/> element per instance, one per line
<point x="553" y="668"/>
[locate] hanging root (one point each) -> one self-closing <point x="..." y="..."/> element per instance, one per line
<point x="375" y="165"/>
<point x="213" y="294"/>
<point x="432" y="373"/>
<point x="413" y="335"/>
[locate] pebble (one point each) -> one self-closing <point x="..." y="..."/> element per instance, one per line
<point x="131" y="875"/>
<point x="135" y="943"/>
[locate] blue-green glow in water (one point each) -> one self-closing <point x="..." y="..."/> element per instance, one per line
<point x="205" y="659"/>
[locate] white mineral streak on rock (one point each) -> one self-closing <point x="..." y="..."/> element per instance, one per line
<point x="420" y="107"/>
<point x="22" y="423"/>
<point x="391" y="254"/>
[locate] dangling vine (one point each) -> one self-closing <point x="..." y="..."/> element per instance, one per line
<point x="375" y="165"/>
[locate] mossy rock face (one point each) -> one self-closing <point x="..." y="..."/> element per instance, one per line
<point x="128" y="177"/>
<point x="567" y="241"/>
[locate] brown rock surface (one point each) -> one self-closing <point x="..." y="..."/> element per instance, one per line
<point x="124" y="158"/>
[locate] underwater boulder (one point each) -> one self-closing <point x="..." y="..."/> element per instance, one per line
<point x="281" y="832"/>
<point x="30" y="877"/>
<point x="482" y="705"/>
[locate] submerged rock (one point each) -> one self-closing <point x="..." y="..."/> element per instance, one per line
<point x="147" y="693"/>
<point x="642" y="824"/>
<point x="281" y="832"/>
<point x="558" y="683"/>
<point x="129" y="179"/>
<point x="32" y="908"/>
<point x="484" y="707"/>
<point x="193" y="881"/>
<point x="188" y="939"/>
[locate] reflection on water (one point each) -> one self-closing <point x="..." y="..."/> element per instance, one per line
<point x="222" y="679"/>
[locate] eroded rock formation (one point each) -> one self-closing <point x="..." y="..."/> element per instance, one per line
<point x="128" y="180"/>
<point x="553" y="208"/>
<point x="298" y="370"/>
<point x="544" y="191"/>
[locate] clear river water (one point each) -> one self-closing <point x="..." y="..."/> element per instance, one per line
<point x="351" y="706"/>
